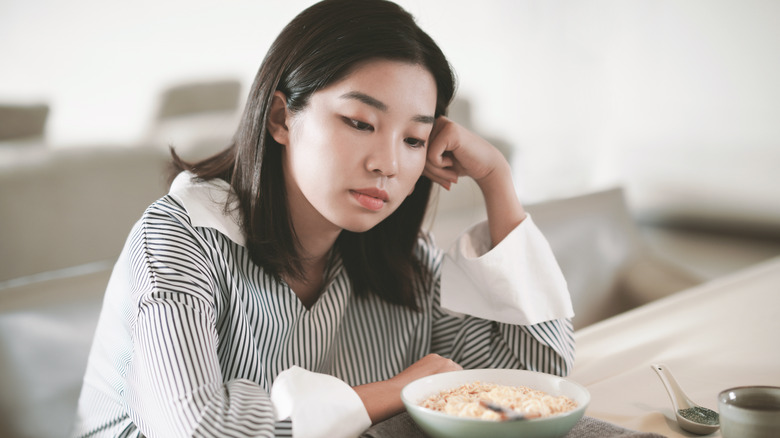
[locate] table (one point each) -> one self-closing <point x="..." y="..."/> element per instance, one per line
<point x="714" y="336"/>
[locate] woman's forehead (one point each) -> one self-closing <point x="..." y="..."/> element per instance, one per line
<point x="385" y="85"/>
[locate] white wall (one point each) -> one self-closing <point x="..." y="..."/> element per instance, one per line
<point x="677" y="100"/>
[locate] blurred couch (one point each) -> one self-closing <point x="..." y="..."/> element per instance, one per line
<point x="608" y="264"/>
<point x="23" y="121"/>
<point x="198" y="118"/>
<point x="64" y="216"/>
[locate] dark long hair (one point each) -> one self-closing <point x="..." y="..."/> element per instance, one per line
<point x="320" y="46"/>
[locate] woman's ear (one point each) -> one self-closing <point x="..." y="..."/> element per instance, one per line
<point x="277" y="119"/>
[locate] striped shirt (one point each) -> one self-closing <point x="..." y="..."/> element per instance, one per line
<point x="193" y="335"/>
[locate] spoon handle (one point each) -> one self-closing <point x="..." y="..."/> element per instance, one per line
<point x="506" y="413"/>
<point x="679" y="399"/>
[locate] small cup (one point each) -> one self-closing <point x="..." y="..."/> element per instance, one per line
<point x="750" y="412"/>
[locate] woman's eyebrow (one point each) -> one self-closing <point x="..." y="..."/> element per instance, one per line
<point x="378" y="104"/>
<point x="424" y="119"/>
<point x="365" y="98"/>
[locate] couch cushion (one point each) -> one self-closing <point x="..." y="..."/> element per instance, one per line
<point x="67" y="207"/>
<point x="23" y="121"/>
<point x="46" y="330"/>
<point x="607" y="264"/>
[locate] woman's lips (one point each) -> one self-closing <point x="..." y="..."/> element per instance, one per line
<point x="371" y="198"/>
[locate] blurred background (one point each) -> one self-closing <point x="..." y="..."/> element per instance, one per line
<point x="677" y="104"/>
<point x="677" y="101"/>
<point x="644" y="137"/>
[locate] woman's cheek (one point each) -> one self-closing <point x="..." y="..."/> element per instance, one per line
<point x="417" y="165"/>
<point x="414" y="158"/>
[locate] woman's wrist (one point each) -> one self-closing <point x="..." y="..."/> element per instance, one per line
<point x="382" y="399"/>
<point x="504" y="210"/>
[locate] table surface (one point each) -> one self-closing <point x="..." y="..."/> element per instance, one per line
<point x="718" y="335"/>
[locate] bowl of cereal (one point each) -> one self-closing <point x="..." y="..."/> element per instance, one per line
<point x="455" y="404"/>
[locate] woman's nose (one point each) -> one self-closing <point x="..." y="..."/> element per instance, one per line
<point x="383" y="160"/>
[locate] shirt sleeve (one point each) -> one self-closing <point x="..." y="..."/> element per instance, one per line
<point x="517" y="282"/>
<point x="505" y="307"/>
<point x="319" y="405"/>
<point x="174" y="384"/>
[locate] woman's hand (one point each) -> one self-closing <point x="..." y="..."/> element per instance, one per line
<point x="455" y="151"/>
<point x="427" y="366"/>
<point x="383" y="399"/>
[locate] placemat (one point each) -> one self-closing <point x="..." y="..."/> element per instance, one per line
<point x="402" y="425"/>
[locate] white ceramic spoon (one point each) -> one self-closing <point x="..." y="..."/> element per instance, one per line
<point x="700" y="420"/>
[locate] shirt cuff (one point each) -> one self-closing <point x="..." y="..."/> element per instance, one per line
<point x="517" y="282"/>
<point x="319" y="405"/>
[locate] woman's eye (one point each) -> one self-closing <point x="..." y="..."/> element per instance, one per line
<point x="414" y="142"/>
<point x="357" y="124"/>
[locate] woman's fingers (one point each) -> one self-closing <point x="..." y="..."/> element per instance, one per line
<point x="440" y="145"/>
<point x="428" y="365"/>
<point x="455" y="151"/>
<point x="441" y="166"/>
<point x="445" y="176"/>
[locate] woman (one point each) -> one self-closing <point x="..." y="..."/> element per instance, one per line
<point x="284" y="283"/>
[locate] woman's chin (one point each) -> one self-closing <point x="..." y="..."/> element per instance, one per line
<point x="360" y="228"/>
<point x="361" y="224"/>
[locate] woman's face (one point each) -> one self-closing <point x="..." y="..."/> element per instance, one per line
<point x="355" y="152"/>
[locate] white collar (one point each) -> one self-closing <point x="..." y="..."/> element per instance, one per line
<point x="205" y="204"/>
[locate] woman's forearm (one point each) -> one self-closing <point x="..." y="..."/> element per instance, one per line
<point x="504" y="210"/>
<point x="382" y="399"/>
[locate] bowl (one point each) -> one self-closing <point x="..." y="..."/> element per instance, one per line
<point x="441" y="425"/>
<point x="750" y="412"/>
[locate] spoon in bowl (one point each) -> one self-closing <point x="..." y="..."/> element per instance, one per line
<point x="690" y="416"/>
<point x="506" y="413"/>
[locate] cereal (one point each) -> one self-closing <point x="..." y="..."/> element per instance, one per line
<point x="464" y="401"/>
